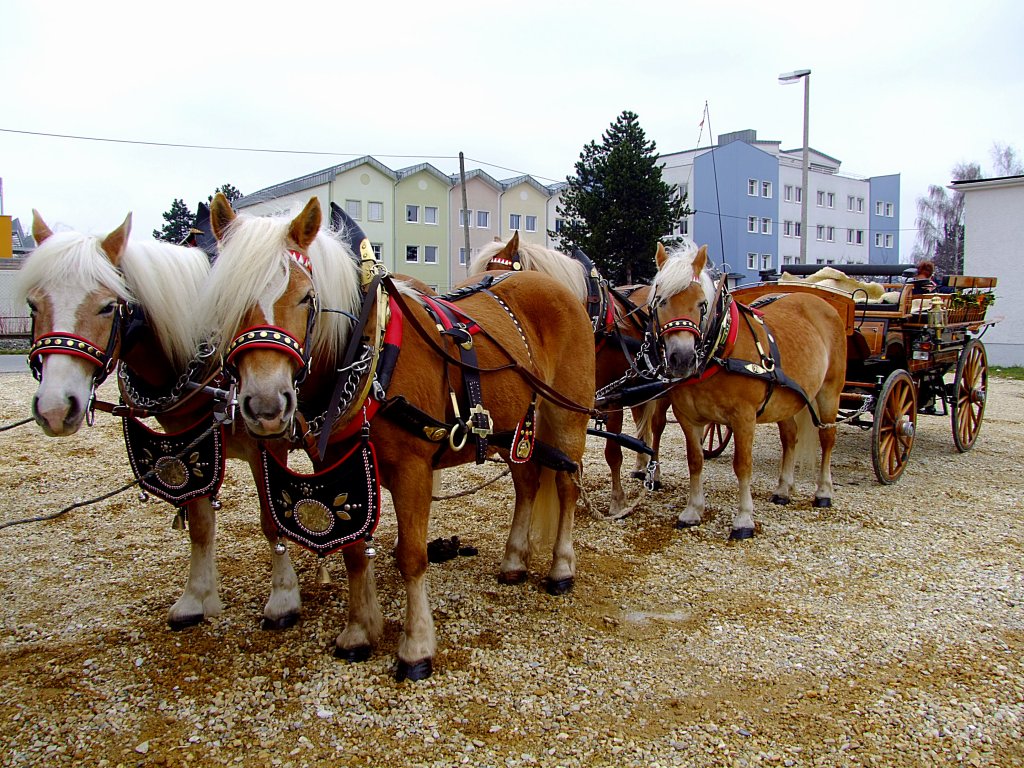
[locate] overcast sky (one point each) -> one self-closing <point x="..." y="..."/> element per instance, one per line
<point x="897" y="87"/>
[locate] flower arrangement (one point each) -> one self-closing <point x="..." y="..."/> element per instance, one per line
<point x="968" y="306"/>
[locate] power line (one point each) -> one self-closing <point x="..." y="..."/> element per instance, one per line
<point x="263" y="150"/>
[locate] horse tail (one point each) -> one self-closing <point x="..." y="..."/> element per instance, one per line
<point x="547" y="510"/>
<point x="806" y="443"/>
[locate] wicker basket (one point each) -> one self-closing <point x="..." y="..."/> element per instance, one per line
<point x="965" y="315"/>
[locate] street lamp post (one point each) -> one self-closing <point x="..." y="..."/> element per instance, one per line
<point x="785" y="79"/>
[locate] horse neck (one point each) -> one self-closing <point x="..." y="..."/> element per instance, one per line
<point x="145" y="357"/>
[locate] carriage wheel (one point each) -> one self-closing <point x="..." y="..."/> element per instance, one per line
<point x="716" y="438"/>
<point x="970" y="388"/>
<point x="894" y="426"/>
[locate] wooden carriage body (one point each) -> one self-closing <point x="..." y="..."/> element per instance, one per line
<point x="911" y="353"/>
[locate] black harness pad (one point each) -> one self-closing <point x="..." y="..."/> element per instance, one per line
<point x="327" y="510"/>
<point x="169" y="466"/>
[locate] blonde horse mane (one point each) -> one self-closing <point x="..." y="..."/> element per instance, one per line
<point x="163" y="278"/>
<point x="676" y="274"/>
<point x="254" y="256"/>
<point x="537" y="258"/>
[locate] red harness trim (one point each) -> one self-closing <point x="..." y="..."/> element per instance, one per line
<point x="443" y="317"/>
<point x="266" y="337"/>
<point x="68" y="344"/>
<point x="302" y="260"/>
<point x="730" y="342"/>
<point x="392" y="336"/>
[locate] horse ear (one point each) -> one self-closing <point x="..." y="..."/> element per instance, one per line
<point x="660" y="257"/>
<point x="40" y="232"/>
<point x="305" y="227"/>
<point x="114" y="244"/>
<point x="700" y="260"/>
<point x="511" y="248"/>
<point x="221" y="215"/>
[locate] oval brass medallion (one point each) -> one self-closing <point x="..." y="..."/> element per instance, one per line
<point x="171" y="472"/>
<point x="313" y="516"/>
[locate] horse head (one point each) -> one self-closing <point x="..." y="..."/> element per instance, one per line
<point x="681" y="295"/>
<point x="74" y="291"/>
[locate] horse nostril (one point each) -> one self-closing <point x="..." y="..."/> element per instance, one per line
<point x="74" y="408"/>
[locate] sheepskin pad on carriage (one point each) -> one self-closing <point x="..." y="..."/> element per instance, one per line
<point x="833" y="278"/>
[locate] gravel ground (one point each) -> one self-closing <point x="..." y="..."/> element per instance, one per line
<point x="887" y="631"/>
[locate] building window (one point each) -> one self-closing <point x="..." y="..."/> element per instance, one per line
<point x="878" y="240"/>
<point x="559" y="225"/>
<point x="849" y="236"/>
<point x="462" y="256"/>
<point x="766" y="189"/>
<point x="375" y="211"/>
<point x="797" y="229"/>
<point x="354" y="208"/>
<point x="751" y="261"/>
<point x="513" y="221"/>
<point x="531" y="223"/>
<point x="878" y="208"/>
<point x="752" y="224"/>
<point x="430" y="214"/>
<point x="464" y="217"/>
<point x="830" y="234"/>
<point x="859" y="237"/>
<point x="821" y="232"/>
<point x="412" y="214"/>
<point x="888" y="241"/>
<point x="849" y="202"/>
<point x="787" y="259"/>
<point x="831" y="200"/>
<point x="766" y="261"/>
<point x="683" y="191"/>
<point x="430" y="254"/>
<point x="412" y="253"/>
<point x="799" y="194"/>
<point x="888" y="210"/>
<point x="752" y="187"/>
<point x="766" y="226"/>
<point x="787" y="228"/>
<point x="787" y="193"/>
<point x="378" y="250"/>
<point x="483" y="219"/>
<point x="860" y="205"/>
<point x="821" y="199"/>
<point x="684" y="227"/>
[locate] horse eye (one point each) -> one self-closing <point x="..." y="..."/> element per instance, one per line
<point x="108" y="309"/>
<point x="308" y="299"/>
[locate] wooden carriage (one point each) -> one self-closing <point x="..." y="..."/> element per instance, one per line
<point x="911" y="353"/>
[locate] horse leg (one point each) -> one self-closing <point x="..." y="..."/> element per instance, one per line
<point x="200" y="598"/>
<point x="365" y="623"/>
<point x="613" y="456"/>
<point x="659" y="419"/>
<point x="410" y="491"/>
<point x="694" y="512"/>
<point x="284" y="604"/>
<point x="787" y="467"/>
<point x="742" y="465"/>
<point x="514" y="564"/>
<point x="823" y="492"/>
<point x="562" y="575"/>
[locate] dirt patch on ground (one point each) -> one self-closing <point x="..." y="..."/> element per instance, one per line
<point x="888" y="630"/>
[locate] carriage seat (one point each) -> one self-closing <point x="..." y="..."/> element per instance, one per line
<point x="862" y="292"/>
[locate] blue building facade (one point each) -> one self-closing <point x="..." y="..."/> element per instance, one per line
<point x="884" y="219"/>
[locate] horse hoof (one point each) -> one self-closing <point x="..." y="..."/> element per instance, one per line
<point x="186" y="622"/>
<point x="822" y="503"/>
<point x="417" y="670"/>
<point x="287" y="621"/>
<point x="558" y="587"/>
<point x="511" y="578"/>
<point x="353" y="655"/>
<point x="684" y="524"/>
<point x="739" y="534"/>
<point x="780" y="500"/>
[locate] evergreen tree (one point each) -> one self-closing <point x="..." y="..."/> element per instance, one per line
<point x="179" y="223"/>
<point x="616" y="208"/>
<point x="230" y="191"/>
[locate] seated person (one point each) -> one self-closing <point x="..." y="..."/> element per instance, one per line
<point x="922" y="280"/>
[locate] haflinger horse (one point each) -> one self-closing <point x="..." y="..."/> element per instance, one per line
<point x="373" y="377"/>
<point x="782" y="363"/>
<point x="101" y="302"/>
<point x="618" y="324"/>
